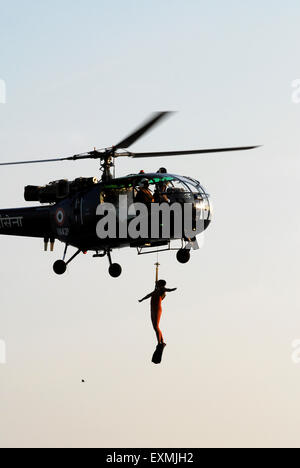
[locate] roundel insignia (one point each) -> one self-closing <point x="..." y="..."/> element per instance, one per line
<point x="60" y="216"/>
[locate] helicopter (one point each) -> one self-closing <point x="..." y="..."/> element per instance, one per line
<point x="70" y="211"/>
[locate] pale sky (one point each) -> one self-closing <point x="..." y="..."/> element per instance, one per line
<point x="81" y="74"/>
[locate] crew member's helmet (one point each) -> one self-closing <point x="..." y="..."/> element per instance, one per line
<point x="144" y="183"/>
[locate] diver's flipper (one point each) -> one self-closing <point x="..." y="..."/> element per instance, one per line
<point x="157" y="356"/>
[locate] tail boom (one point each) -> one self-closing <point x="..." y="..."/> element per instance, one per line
<point x="26" y="222"/>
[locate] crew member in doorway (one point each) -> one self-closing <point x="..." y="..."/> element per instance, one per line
<point x="144" y="194"/>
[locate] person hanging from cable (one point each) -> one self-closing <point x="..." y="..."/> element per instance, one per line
<point x="157" y="296"/>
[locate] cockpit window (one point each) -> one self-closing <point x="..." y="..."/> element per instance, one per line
<point x="177" y="186"/>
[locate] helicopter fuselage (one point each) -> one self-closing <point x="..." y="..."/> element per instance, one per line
<point x="73" y="219"/>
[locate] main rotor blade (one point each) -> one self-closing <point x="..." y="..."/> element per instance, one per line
<point x="76" y="157"/>
<point x="183" y="153"/>
<point x="33" y="162"/>
<point x="139" y="132"/>
<point x="99" y="154"/>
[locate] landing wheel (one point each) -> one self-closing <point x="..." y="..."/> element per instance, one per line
<point x="60" y="267"/>
<point x="115" y="270"/>
<point x="183" y="256"/>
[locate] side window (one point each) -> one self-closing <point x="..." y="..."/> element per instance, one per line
<point x="176" y="186"/>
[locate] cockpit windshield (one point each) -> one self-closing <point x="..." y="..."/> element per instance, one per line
<point x="159" y="188"/>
